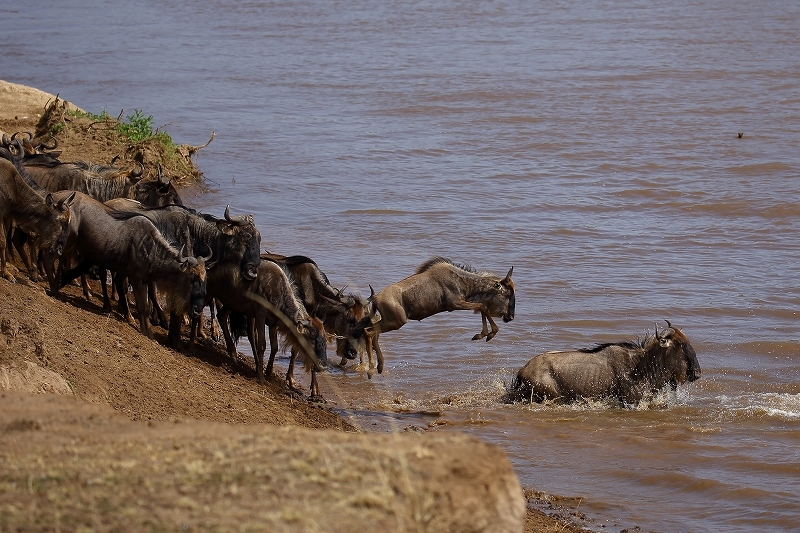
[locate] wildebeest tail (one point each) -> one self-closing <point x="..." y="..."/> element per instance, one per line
<point x="238" y="326"/>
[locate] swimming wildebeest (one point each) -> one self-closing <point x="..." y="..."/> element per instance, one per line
<point x="132" y="247"/>
<point x="438" y="285"/>
<point x="262" y="300"/>
<point x="40" y="216"/>
<point x="626" y="371"/>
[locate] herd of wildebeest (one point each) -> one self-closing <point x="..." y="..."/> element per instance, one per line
<point x="67" y="219"/>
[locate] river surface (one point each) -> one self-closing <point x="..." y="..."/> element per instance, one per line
<point x="593" y="146"/>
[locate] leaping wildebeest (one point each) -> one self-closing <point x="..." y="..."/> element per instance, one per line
<point x="438" y="285"/>
<point x="625" y="371"/>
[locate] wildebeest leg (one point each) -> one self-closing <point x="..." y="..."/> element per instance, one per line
<point x="215" y="334"/>
<point x="223" y="315"/>
<point x="140" y="293"/>
<point x="315" y="395"/>
<point x="478" y="307"/>
<point x="19" y="239"/>
<point x="273" y="348"/>
<point x="258" y="345"/>
<point x="290" y="372"/>
<point x="174" y="335"/>
<point x="104" y="286"/>
<point x="49" y="262"/>
<point x="158" y="312"/>
<point x="373" y="344"/>
<point x="5" y="273"/>
<point x="193" y="333"/>
<point x="121" y="282"/>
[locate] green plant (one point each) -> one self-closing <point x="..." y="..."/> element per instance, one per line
<point x="138" y="127"/>
<point x="57" y="128"/>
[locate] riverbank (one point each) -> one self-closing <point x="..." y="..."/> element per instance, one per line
<point x="172" y="415"/>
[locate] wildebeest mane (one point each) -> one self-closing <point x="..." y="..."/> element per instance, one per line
<point x="631" y="345"/>
<point x="438" y="259"/>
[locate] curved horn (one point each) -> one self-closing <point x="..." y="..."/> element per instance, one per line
<point x="160" y="174"/>
<point x="181" y="258"/>
<point x="43" y="146"/>
<point x="238" y="219"/>
<point x="210" y="254"/>
<point x="137" y="173"/>
<point x="29" y="134"/>
<point x="5" y="140"/>
<point x="656" y="325"/>
<point x="17" y="149"/>
<point x="371" y="293"/>
<point x="510" y="271"/>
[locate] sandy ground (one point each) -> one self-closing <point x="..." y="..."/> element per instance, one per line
<point x="102" y="429"/>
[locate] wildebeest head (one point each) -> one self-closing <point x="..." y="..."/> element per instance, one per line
<point x="312" y="329"/>
<point x="678" y="356"/>
<point x="502" y="300"/>
<point x="195" y="269"/>
<point x="51" y="233"/>
<point x="158" y="193"/>
<point x="347" y="310"/>
<point x="244" y="241"/>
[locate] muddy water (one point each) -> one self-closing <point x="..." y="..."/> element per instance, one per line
<point x="593" y="147"/>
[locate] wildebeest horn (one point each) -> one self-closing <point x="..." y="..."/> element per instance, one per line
<point x="29" y="134"/>
<point x="180" y="254"/>
<point x="43" y="146"/>
<point x="5" y="140"/>
<point x="371" y="293"/>
<point x="137" y="173"/>
<point x="160" y="175"/>
<point x="210" y="253"/>
<point x="238" y="219"/>
<point x="510" y="271"/>
<point x="656" y="325"/>
<point x="668" y="332"/>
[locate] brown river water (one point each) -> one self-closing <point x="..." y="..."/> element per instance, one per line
<point x="593" y="146"/>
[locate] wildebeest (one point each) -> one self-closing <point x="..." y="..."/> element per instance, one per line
<point x="438" y="285"/>
<point x="41" y="216"/>
<point x="104" y="182"/>
<point x="338" y="311"/>
<point x="234" y="243"/>
<point x="262" y="301"/>
<point x="134" y="248"/>
<point x="626" y="371"/>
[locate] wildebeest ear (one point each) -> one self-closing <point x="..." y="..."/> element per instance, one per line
<point x="69" y="199"/>
<point x="49" y="200"/>
<point x="225" y="227"/>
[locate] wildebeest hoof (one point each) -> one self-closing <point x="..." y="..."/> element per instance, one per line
<point x="477" y="336"/>
<point x="316" y="398"/>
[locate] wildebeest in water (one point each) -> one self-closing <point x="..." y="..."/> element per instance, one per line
<point x="626" y="371"/>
